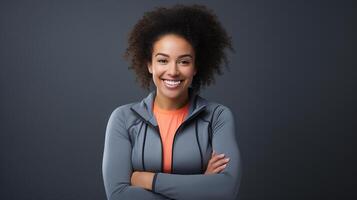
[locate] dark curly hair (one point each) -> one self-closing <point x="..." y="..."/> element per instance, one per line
<point x="197" y="24"/>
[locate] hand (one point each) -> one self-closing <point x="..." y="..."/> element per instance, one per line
<point x="217" y="163"/>
<point x="142" y="179"/>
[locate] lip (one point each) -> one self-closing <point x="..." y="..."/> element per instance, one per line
<point x="172" y="79"/>
<point x="171" y="87"/>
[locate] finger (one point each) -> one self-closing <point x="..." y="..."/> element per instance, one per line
<point x="216" y="163"/>
<point x="215" y="167"/>
<point x="220" y="162"/>
<point x="220" y="168"/>
<point x="214" y="153"/>
<point x="217" y="157"/>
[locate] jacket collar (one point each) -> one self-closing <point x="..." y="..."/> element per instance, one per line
<point x="144" y="108"/>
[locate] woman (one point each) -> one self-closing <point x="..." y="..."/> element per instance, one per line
<point x="173" y="144"/>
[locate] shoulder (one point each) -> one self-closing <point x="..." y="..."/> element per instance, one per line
<point x="220" y="116"/>
<point x="123" y="114"/>
<point x="217" y="111"/>
<point x="220" y="111"/>
<point x="122" y="109"/>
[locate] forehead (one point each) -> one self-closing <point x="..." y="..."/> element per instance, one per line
<point x="172" y="45"/>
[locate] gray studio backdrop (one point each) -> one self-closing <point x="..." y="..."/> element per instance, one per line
<point x="289" y="85"/>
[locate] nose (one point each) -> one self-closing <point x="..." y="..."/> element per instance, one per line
<point x="173" y="70"/>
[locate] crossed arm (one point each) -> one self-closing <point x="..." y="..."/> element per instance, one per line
<point x="143" y="179"/>
<point x="126" y="184"/>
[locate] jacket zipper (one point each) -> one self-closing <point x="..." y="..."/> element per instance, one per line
<point x="162" y="148"/>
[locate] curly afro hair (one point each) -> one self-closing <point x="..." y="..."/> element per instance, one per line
<point x="197" y="24"/>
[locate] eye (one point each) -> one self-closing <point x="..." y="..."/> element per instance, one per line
<point x="162" y="61"/>
<point x="184" y="62"/>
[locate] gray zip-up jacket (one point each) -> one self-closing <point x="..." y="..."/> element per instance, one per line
<point x="133" y="143"/>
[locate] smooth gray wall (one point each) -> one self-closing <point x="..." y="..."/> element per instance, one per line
<point x="291" y="86"/>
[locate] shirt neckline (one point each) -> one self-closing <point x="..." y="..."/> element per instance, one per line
<point x="156" y="108"/>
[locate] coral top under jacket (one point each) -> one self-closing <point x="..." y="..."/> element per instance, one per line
<point x="132" y="143"/>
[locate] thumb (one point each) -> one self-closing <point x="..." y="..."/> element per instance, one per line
<point x="213" y="153"/>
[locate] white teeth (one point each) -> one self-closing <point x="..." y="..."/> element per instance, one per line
<point x="172" y="82"/>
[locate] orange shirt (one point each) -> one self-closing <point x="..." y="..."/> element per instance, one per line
<point x="169" y="121"/>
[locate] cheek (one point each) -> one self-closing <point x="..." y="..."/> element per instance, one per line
<point x="157" y="73"/>
<point x="190" y="73"/>
<point x="156" y="79"/>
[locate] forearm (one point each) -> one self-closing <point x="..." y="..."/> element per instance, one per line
<point x="118" y="190"/>
<point x="133" y="192"/>
<point x="198" y="186"/>
<point x="142" y="179"/>
<point x="186" y="186"/>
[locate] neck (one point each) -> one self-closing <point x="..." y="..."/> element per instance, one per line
<point x="171" y="103"/>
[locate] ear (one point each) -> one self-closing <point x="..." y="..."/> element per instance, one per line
<point x="149" y="67"/>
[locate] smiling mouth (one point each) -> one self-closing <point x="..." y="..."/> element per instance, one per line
<point x="172" y="83"/>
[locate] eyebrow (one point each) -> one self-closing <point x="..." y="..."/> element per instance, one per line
<point x="184" y="55"/>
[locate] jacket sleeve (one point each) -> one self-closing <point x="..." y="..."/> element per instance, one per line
<point x="223" y="185"/>
<point x="116" y="166"/>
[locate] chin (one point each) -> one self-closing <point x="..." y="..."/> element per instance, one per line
<point x="173" y="94"/>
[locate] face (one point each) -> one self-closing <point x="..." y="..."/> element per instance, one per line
<point x="172" y="66"/>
